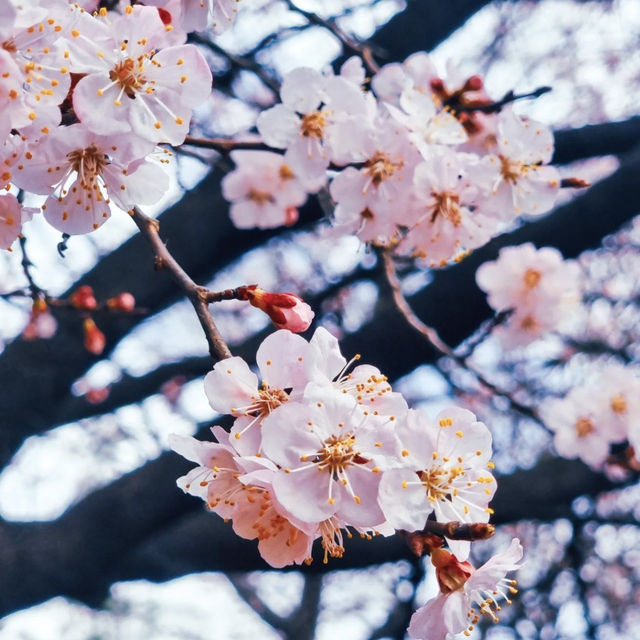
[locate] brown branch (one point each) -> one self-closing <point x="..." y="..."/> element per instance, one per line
<point x="433" y="338"/>
<point x="509" y="97"/>
<point x="225" y="145"/>
<point x="150" y="228"/>
<point x="249" y="595"/>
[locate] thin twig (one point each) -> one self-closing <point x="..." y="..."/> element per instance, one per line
<point x="150" y="228"/>
<point x="510" y="96"/>
<point x="225" y="145"/>
<point x="241" y="62"/>
<point x="36" y="291"/>
<point x="349" y="43"/>
<point x="434" y="339"/>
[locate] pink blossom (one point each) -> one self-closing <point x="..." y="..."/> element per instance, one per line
<point x="10" y="220"/>
<point x="465" y="593"/>
<point x="131" y="86"/>
<point x="312" y="105"/>
<point x="542" y="288"/>
<point x="85" y="172"/>
<point x="373" y="201"/>
<point x="263" y="190"/>
<point x="518" y="179"/>
<point x="327" y="434"/>
<point x="444" y="223"/>
<point x="444" y="470"/>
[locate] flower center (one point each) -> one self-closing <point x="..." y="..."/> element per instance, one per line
<point x="532" y="278"/>
<point x="129" y="75"/>
<point x="337" y="454"/>
<point x="269" y="398"/>
<point x="619" y="404"/>
<point x="446" y="205"/>
<point x="88" y="163"/>
<point x="381" y="167"/>
<point x="510" y="170"/>
<point x="584" y="427"/>
<point x="259" y="197"/>
<point x="528" y="323"/>
<point x="313" y="125"/>
<point x="437" y="481"/>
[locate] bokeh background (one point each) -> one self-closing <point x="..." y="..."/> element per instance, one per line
<point x="96" y="542"/>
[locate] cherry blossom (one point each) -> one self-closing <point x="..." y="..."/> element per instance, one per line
<point x="444" y="470"/>
<point x="542" y="288"/>
<point x="311" y="106"/>
<point x="263" y="190"/>
<point x="517" y="177"/>
<point x="465" y="594"/>
<point x="445" y="223"/>
<point x="82" y="172"/>
<point x="131" y="86"/>
<point x="372" y="201"/>
<point x="328" y="435"/>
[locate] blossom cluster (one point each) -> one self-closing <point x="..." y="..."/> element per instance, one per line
<point x="593" y="416"/>
<point x="320" y="449"/>
<point x="540" y="288"/>
<point x="86" y="98"/>
<point x="410" y="162"/>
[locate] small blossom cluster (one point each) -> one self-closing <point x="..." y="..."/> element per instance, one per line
<point x="320" y="450"/>
<point x="333" y="450"/>
<point x="602" y="412"/>
<point x="85" y="100"/>
<point x="410" y="163"/>
<point x="539" y="287"/>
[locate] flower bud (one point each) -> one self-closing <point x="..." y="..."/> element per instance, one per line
<point x="94" y="339"/>
<point x="450" y="572"/>
<point x="84" y="299"/>
<point x="97" y="396"/>
<point x="286" y="310"/>
<point x="41" y="323"/>
<point x="122" y="302"/>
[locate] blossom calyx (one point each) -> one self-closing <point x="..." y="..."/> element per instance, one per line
<point x="450" y="572"/>
<point x="286" y="310"/>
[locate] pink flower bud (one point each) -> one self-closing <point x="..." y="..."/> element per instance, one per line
<point x="84" y="299"/>
<point x="41" y="323"/>
<point x="286" y="310"/>
<point x="94" y="339"/>
<point x="97" y="396"/>
<point x="122" y="302"/>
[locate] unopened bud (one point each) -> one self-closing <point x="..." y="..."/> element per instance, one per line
<point x="290" y="215"/>
<point x="286" y="310"/>
<point x="474" y="83"/>
<point x="122" y="302"/>
<point x="97" y="396"/>
<point x="41" y="323"/>
<point x="94" y="339"/>
<point x="84" y="299"/>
